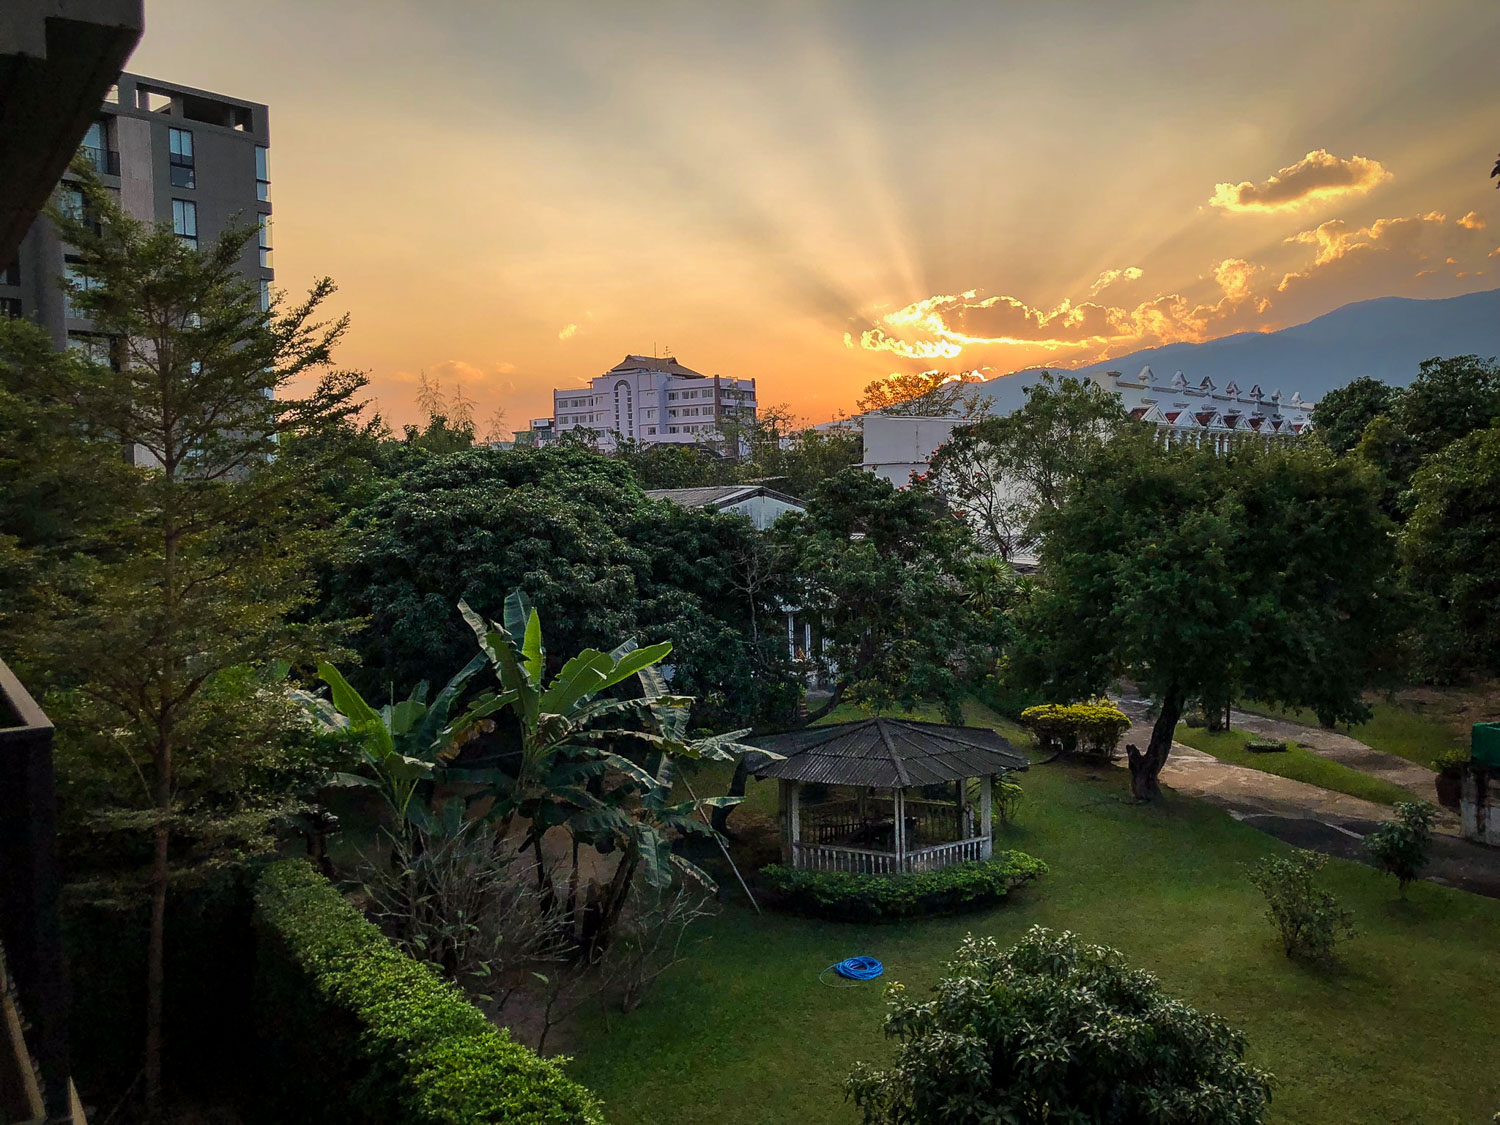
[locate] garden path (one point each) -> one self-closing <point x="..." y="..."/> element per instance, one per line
<point x="1309" y="816"/>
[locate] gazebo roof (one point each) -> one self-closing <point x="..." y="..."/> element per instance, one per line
<point x="888" y="754"/>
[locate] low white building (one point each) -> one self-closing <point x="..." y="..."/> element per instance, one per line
<point x="761" y="505"/>
<point x="654" y="401"/>
<point x="898" y="445"/>
<point x="1204" y="413"/>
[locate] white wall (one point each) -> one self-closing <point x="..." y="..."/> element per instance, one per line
<point x="896" y="447"/>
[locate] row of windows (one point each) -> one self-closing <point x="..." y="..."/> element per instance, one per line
<point x="566" y="402"/>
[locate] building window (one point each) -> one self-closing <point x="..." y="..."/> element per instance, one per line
<point x="77" y="282"/>
<point x="10" y="308"/>
<point x="180" y="158"/>
<point x="262" y="173"/>
<point x="11" y="274"/>
<point x="265" y="295"/>
<point x="96" y="150"/>
<point x="93" y="348"/>
<point x="671" y="396"/>
<point x="265" y="242"/>
<point x="185" y="221"/>
<point x="651" y="431"/>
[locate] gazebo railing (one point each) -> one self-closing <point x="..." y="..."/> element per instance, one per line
<point x="841" y="823"/>
<point x="866" y="861"/>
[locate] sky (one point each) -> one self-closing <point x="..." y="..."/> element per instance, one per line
<point x="513" y="196"/>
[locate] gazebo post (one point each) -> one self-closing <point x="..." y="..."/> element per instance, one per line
<point x="900" y="800"/>
<point x="986" y="789"/>
<point x="794" y="811"/>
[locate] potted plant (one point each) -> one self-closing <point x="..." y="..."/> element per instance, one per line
<point x="1450" y="772"/>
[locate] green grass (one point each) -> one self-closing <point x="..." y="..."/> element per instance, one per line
<point x="1400" y="1032"/>
<point x="1391" y="729"/>
<point x="1297" y="763"/>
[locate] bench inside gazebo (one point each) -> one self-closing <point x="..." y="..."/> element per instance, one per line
<point x="882" y="796"/>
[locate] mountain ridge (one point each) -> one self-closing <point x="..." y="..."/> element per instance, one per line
<point x="1383" y="337"/>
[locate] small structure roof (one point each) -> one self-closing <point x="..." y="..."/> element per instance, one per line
<point x="888" y="754"/>
<point x="667" y="365"/>
<point x="719" y="496"/>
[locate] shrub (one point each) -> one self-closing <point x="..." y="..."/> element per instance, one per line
<point x="1053" y="1030"/>
<point x="1309" y="919"/>
<point x="1093" y="727"/>
<point x="1451" y="763"/>
<point x="352" y="1030"/>
<point x="1402" y="846"/>
<point x="1007" y="795"/>
<point x="846" y="897"/>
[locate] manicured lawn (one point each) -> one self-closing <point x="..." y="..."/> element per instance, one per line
<point x="1402" y="1031"/>
<point x="1391" y="729"/>
<point x="1297" y="764"/>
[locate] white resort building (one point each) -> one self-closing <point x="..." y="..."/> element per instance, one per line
<point x="652" y="400"/>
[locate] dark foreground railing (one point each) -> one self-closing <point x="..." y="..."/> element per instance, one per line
<point x="29" y="882"/>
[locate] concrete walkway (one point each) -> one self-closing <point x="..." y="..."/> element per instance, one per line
<point x="1309" y="816"/>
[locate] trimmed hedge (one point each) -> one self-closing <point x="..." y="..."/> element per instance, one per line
<point x="352" y="1030"/>
<point x="1093" y="727"/>
<point x="845" y="897"/>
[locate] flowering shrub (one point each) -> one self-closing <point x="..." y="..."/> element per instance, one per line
<point x="1093" y="727"/>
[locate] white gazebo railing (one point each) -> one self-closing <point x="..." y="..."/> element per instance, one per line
<point x="864" y="861"/>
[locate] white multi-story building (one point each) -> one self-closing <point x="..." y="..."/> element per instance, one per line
<point x="654" y="401"/>
<point x="1205" y="414"/>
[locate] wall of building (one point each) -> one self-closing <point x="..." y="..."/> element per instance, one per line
<point x="897" y="446"/>
<point x="654" y="400"/>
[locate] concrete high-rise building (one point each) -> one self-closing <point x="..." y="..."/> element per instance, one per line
<point x="652" y="400"/>
<point x="172" y="154"/>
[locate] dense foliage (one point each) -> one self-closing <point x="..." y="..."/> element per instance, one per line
<point x="576" y="532"/>
<point x="905" y="606"/>
<point x="845" y="897"/>
<point x="1055" y="1030"/>
<point x="1261" y="572"/>
<point x="1094" y="727"/>
<point x="1003" y="471"/>
<point x="1309" y="919"/>
<point x="343" y="1015"/>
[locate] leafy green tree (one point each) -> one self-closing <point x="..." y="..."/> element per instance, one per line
<point x="882" y="571"/>
<point x="1402" y="846"/>
<point x="1343" y="413"/>
<point x="572" y="529"/>
<point x="1001" y="471"/>
<point x="936" y="394"/>
<point x="200" y="565"/>
<point x="1054" y="1030"/>
<point x="1451" y="548"/>
<point x="1309" y="919"/>
<point x="1264" y="572"/>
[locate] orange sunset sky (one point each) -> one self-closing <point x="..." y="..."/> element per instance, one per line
<point x="512" y="196"/>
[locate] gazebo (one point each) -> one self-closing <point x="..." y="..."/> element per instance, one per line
<point x="882" y="796"/>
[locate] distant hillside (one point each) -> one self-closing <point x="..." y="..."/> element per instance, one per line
<point x="1385" y="338"/>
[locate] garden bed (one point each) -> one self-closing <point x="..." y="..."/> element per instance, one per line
<point x="843" y="897"/>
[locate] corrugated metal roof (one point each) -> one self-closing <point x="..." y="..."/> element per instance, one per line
<point x="888" y="754"/>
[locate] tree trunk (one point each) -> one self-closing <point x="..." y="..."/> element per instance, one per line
<point x="156" y="947"/>
<point x="1146" y="768"/>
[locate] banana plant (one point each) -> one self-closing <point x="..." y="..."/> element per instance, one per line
<point x="402" y="744"/>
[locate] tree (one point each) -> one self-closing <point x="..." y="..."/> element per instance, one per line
<point x="929" y="393"/>
<point x="1055" y="1030"/>
<point x="1342" y="414"/>
<point x="200" y="566"/>
<point x="1001" y="471"/>
<point x="1402" y="846"/>
<point x="1263" y="572"/>
<point x="882" y="572"/>
<point x="1451" y="547"/>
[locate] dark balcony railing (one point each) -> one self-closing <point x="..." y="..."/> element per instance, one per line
<point x="29" y="884"/>
<point x="106" y="161"/>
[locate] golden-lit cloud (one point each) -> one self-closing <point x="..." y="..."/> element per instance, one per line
<point x="1472" y="221"/>
<point x="1109" y="277"/>
<point x="1318" y="177"/>
<point x="568" y="332"/>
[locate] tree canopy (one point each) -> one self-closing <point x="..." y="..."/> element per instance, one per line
<point x="1263" y="572"/>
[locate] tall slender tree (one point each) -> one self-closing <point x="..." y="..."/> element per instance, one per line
<point x="201" y="565"/>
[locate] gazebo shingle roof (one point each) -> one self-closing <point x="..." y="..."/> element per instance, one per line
<point x="888" y="754"/>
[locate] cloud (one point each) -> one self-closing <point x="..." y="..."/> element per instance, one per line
<point x="1472" y="221"/>
<point x="1385" y="257"/>
<point x="568" y="332"/>
<point x="1109" y="277"/>
<point x="1317" y="177"/>
<point x="504" y="367"/>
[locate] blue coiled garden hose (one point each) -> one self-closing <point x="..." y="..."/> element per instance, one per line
<point x="853" y="969"/>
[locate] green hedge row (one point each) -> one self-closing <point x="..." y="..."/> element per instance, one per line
<point x="845" y="897"/>
<point x="352" y="1030"/>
